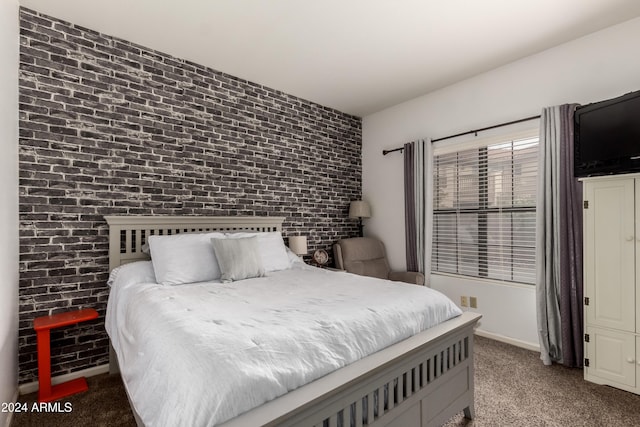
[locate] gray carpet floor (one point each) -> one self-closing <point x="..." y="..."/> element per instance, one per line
<point x="513" y="388"/>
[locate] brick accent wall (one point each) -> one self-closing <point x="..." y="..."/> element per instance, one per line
<point x="108" y="127"/>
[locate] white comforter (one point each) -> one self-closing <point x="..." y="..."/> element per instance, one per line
<point x="200" y="354"/>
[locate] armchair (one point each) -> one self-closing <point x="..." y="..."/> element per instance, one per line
<point x="366" y="256"/>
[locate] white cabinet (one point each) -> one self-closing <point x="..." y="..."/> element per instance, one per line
<point x="612" y="280"/>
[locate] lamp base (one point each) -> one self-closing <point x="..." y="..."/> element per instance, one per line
<point x="360" y="228"/>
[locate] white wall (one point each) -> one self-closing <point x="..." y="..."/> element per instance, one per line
<point x="596" y="67"/>
<point x="9" y="45"/>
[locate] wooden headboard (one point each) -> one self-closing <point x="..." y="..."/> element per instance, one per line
<point x="127" y="234"/>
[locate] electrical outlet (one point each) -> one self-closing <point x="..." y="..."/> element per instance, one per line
<point x="464" y="302"/>
<point x="473" y="302"/>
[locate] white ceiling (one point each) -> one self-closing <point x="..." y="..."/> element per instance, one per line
<point x="358" y="56"/>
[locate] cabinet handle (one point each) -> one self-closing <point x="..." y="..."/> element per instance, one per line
<point x="629" y="238"/>
<point x="631" y="360"/>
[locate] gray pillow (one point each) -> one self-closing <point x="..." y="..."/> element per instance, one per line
<point x="238" y="258"/>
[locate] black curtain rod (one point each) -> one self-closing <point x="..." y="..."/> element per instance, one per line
<point x="487" y="128"/>
<point x="385" y="152"/>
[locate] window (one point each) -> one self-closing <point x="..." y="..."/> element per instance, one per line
<point x="484" y="210"/>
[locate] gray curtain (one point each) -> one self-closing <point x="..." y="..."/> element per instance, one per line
<point x="559" y="242"/>
<point x="414" y="204"/>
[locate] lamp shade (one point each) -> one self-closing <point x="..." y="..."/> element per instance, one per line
<point x="298" y="244"/>
<point x="359" y="209"/>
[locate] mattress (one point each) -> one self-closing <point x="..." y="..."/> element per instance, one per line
<point x="200" y="354"/>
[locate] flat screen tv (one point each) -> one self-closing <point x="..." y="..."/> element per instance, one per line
<point x="607" y="136"/>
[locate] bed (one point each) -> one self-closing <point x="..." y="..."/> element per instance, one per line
<point x="421" y="380"/>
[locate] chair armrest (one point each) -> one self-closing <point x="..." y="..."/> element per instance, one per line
<point x="412" y="277"/>
<point x="337" y="256"/>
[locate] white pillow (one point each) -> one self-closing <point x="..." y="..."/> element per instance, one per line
<point x="184" y="258"/>
<point x="238" y="258"/>
<point x="273" y="252"/>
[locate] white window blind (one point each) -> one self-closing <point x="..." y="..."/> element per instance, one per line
<point x="484" y="210"/>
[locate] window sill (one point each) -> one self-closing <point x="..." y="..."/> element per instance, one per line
<point x="487" y="281"/>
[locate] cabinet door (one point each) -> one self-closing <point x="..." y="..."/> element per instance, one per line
<point x="609" y="256"/>
<point x="611" y="357"/>
<point x="637" y="249"/>
<point x="637" y="365"/>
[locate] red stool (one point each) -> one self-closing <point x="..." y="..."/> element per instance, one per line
<point x="43" y="326"/>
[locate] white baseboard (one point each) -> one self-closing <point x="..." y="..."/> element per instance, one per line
<point x="90" y="372"/>
<point x="512" y="341"/>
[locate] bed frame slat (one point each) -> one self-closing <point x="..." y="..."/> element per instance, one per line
<point x="359" y="410"/>
<point x="370" y="408"/>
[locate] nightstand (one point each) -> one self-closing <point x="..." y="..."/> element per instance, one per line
<point x="43" y="326"/>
